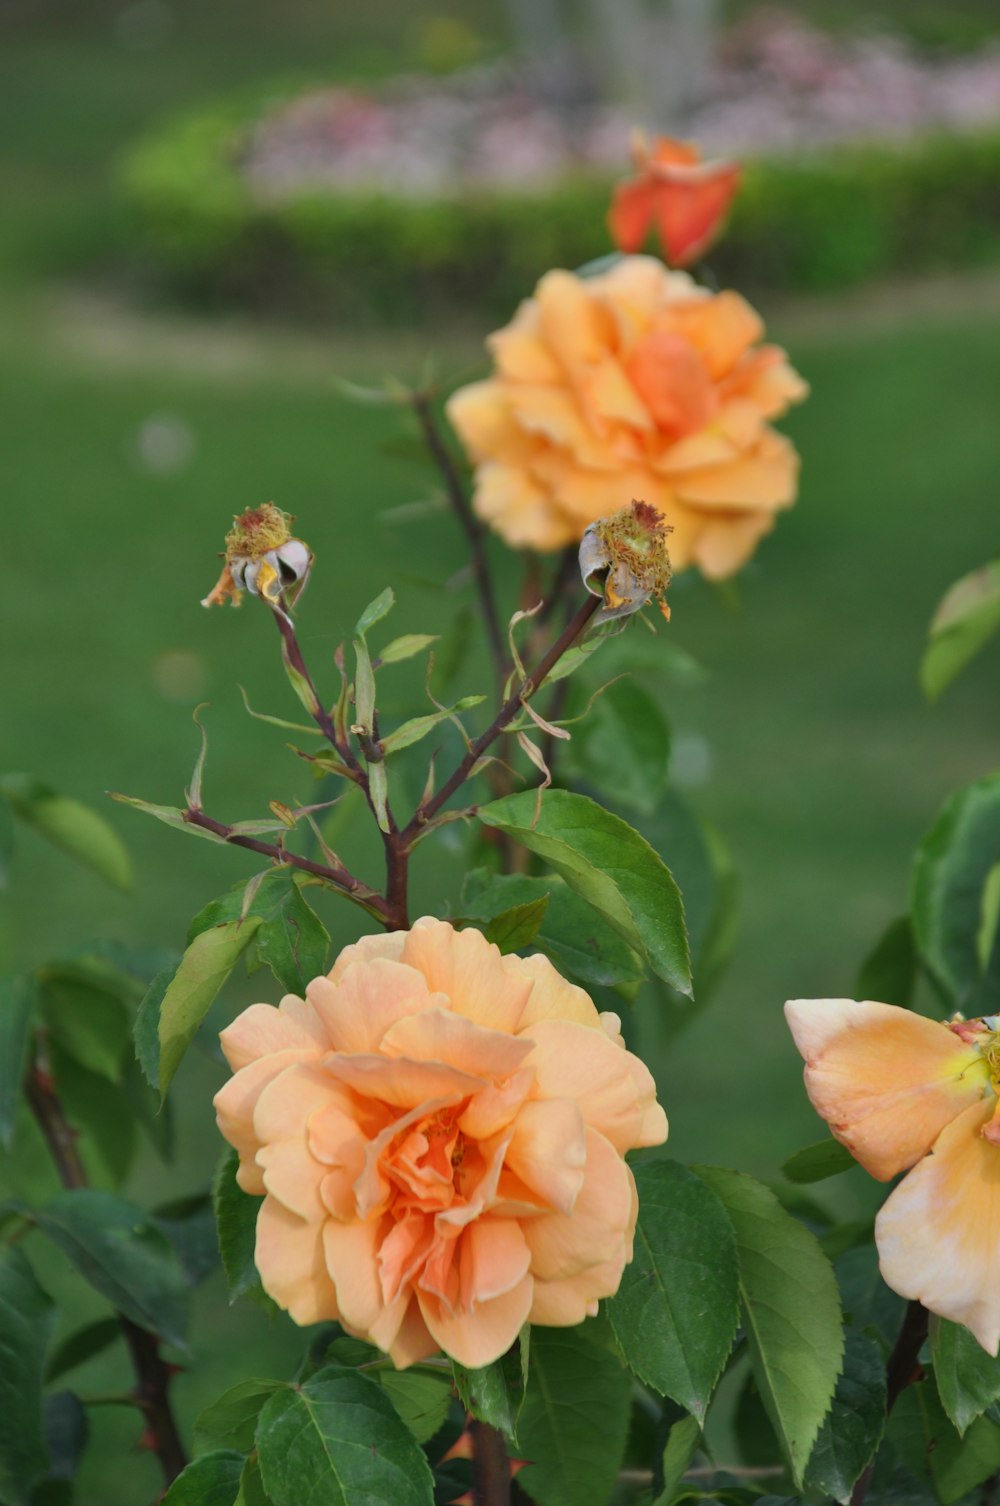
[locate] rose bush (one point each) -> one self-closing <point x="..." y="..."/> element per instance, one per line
<point x="634" y="383"/>
<point x="438" y="1132"/>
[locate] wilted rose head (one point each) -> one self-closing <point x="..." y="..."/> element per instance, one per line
<point x="903" y="1091"/>
<point x="439" y="1133"/>
<point x="261" y="557"/>
<point x="685" y="198"/>
<point x="624" y="560"/>
<point x="632" y="383"/>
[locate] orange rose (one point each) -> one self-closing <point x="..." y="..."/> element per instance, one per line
<point x="902" y="1091"/>
<point x="439" y="1132"/>
<point x="635" y="383"/>
<point x="687" y="199"/>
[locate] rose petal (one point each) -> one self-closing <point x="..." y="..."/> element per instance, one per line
<point x="598" y="1228"/>
<point x="289" y="1258"/>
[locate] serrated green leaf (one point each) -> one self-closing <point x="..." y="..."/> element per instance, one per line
<point x="236" y="1221"/>
<point x="17" y="999"/>
<point x="231" y="1421"/>
<point x="868" y="1303"/>
<point x="419" y="726"/>
<point x="212" y="1480"/>
<point x="611" y="866"/>
<point x="622" y="745"/>
<point x="517" y="927"/>
<point x="71" y="826"/>
<point x="889" y="972"/>
<point x="921" y="1433"/>
<point x="181" y="1002"/>
<point x="852" y="1430"/>
<point x="422" y="1399"/>
<point x="26" y="1318"/>
<point x="292" y="939"/>
<point x="679" y="1450"/>
<point x="81" y="1346"/>
<point x="950" y="872"/>
<point x="375" y="611"/>
<point x="495" y="1393"/>
<point x="170" y="815"/>
<point x="117" y="1249"/>
<point x="574" y="1422"/>
<point x="252" y="1492"/>
<point x="816" y="1162"/>
<point x="338" y="1439"/>
<point x="968" y="1379"/>
<point x="406" y="647"/>
<point x="678" y="1306"/>
<point x="791" y="1311"/>
<point x="572" y="933"/>
<point x="965" y="621"/>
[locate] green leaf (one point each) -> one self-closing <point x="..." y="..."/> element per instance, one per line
<point x="791" y="1311"/>
<point x="182" y="1002"/>
<point x="230" y="1422"/>
<point x="421" y="1399"/>
<point x="64" y="1423"/>
<point x="100" y="1111"/>
<point x="71" y="826"/>
<point x="189" y="1225"/>
<point x="81" y="1346"/>
<point x="622" y="745"/>
<point x="212" y="1480"/>
<point x="406" y="647"/>
<point x="572" y="933"/>
<point x="116" y="1248"/>
<point x="292" y="939"/>
<point x="680" y="1448"/>
<point x="852" y="1430"/>
<point x="419" y="726"/>
<point x="378" y="788"/>
<point x="950" y="874"/>
<point x="364" y="686"/>
<point x="889" y="972"/>
<point x="26" y="1317"/>
<point x="90" y="1022"/>
<point x="517" y="927"/>
<point x="236" y="1221"/>
<point x="678" y="1305"/>
<point x="968" y="1379"/>
<point x="611" y="866"/>
<point x="574" y="1422"/>
<point x="338" y="1440"/>
<point x="920" y="1431"/>
<point x="495" y="1393"/>
<point x="170" y="815"/>
<point x="252" y="1492"/>
<point x="375" y="611"/>
<point x="17" y="998"/>
<point x="966" y="619"/>
<point x="814" y="1163"/>
<point x="868" y="1303"/>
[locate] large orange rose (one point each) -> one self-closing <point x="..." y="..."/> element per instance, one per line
<point x="439" y="1132"/>
<point x="635" y="383"/>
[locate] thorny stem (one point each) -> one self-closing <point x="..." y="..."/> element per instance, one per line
<point x="152" y="1373"/>
<point x="474" y="531"/>
<point x="490" y="1466"/>
<point x="902" y="1368"/>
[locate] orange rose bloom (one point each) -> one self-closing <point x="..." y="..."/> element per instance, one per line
<point x="635" y="383"/>
<point x="903" y="1091"/>
<point x="687" y="199"/>
<point x="439" y="1132"/>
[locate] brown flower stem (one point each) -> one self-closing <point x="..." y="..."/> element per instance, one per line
<point x="152" y="1374"/>
<point x="490" y="1466"/>
<point x="508" y="712"/>
<point x="337" y="877"/>
<point x="473" y="529"/>
<point x="322" y="718"/>
<point x="902" y="1368"/>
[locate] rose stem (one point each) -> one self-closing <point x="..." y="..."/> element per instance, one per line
<point x="474" y="530"/>
<point x="490" y="1466"/>
<point x="152" y="1393"/>
<point x="902" y="1368"/>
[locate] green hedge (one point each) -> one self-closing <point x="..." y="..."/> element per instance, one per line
<point x="813" y="224"/>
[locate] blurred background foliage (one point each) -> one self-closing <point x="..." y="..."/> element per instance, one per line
<point x="134" y="427"/>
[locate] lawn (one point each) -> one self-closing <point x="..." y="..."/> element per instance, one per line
<point x="129" y="440"/>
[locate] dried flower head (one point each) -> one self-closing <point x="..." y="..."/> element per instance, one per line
<point x="261" y="557"/>
<point x="624" y="559"/>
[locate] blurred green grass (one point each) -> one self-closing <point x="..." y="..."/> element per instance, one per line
<point x="823" y="765"/>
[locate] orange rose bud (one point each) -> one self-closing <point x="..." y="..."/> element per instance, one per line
<point x="905" y="1093"/>
<point x="439" y="1133"/>
<point x="685" y="198"/>
<point x="634" y="382"/>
